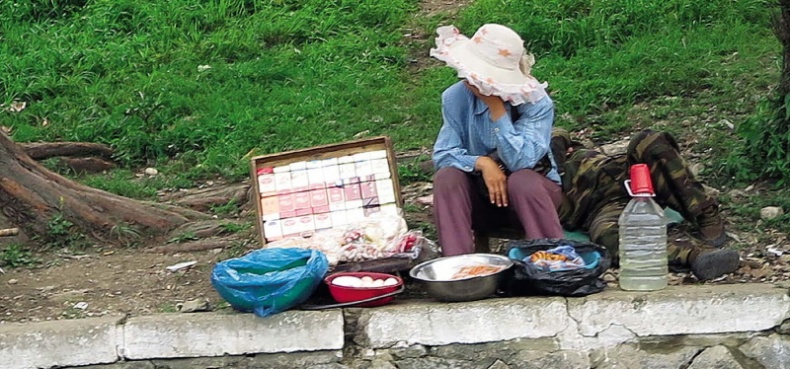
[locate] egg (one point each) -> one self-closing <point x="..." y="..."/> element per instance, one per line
<point x="347" y="281"/>
<point x="367" y="280"/>
<point x="390" y="281"/>
<point x="377" y="283"/>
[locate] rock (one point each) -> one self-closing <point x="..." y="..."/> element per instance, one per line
<point x="765" y="271"/>
<point x="614" y="148"/>
<point x="381" y="364"/>
<point x="736" y="193"/>
<point x="437" y="363"/>
<point x="82" y="305"/>
<point x="413" y="351"/>
<point x="151" y="171"/>
<point x="711" y="191"/>
<point x="498" y="365"/>
<point x="565" y="359"/>
<point x="12" y="281"/>
<point x="696" y="169"/>
<point x="771" y="212"/>
<point x="717" y="357"/>
<point x="192" y="306"/>
<point x="771" y="352"/>
<point x="727" y="124"/>
<point x="629" y="356"/>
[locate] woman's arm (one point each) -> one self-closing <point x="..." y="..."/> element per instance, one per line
<point x="523" y="143"/>
<point x="449" y="150"/>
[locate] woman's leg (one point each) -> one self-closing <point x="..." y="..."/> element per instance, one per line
<point x="452" y="211"/>
<point x="535" y="199"/>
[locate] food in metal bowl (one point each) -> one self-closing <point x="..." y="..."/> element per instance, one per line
<point x="462" y="277"/>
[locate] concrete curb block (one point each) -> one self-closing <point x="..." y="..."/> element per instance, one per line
<point x="61" y="343"/>
<point x="580" y="325"/>
<point x="436" y="324"/>
<point x="190" y="335"/>
<point x="684" y="310"/>
<point x="595" y="321"/>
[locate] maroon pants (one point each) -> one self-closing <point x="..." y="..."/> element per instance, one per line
<point x="460" y="207"/>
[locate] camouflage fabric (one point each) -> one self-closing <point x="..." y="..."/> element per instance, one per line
<point x="593" y="183"/>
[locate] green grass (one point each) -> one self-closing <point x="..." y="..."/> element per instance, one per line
<point x="16" y="255"/>
<point x="136" y="75"/>
<point x="195" y="88"/>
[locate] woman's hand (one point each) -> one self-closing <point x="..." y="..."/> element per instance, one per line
<point x="495" y="180"/>
<point x="496" y="106"/>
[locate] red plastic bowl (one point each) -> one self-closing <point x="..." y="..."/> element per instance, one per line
<point x="351" y="294"/>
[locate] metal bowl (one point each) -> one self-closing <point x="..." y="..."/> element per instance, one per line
<point x="437" y="275"/>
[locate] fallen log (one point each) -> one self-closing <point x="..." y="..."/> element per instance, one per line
<point x="46" y="150"/>
<point x="9" y="232"/>
<point x="87" y="165"/>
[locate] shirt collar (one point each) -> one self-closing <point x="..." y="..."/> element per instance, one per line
<point x="479" y="106"/>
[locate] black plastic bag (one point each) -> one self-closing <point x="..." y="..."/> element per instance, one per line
<point x="527" y="279"/>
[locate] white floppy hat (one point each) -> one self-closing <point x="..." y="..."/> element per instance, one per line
<point x="493" y="60"/>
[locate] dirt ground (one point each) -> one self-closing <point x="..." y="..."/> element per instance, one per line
<point x="136" y="281"/>
<point x="126" y="281"/>
<point x="131" y="281"/>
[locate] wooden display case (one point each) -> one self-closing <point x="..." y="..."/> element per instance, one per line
<point x="304" y="191"/>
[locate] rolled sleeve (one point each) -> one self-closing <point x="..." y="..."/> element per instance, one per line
<point x="447" y="152"/>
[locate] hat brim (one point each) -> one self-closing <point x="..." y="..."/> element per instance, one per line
<point x="511" y="85"/>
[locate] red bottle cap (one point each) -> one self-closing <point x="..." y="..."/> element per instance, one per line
<point x="640" y="180"/>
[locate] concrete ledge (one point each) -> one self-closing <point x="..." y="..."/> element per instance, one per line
<point x="437" y="324"/>
<point x="192" y="335"/>
<point x="61" y="343"/>
<point x="599" y="320"/>
<point x="674" y="325"/>
<point x="683" y="310"/>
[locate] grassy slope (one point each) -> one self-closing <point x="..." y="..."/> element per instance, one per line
<point x="195" y="87"/>
<point x="206" y="82"/>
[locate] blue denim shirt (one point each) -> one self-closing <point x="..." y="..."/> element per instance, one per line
<point x="468" y="133"/>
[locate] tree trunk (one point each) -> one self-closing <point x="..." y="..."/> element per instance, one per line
<point x="782" y="30"/>
<point x="32" y="196"/>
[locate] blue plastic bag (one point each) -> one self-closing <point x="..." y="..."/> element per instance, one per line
<point x="269" y="281"/>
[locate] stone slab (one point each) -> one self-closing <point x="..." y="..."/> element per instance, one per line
<point x="213" y="334"/>
<point x="632" y="357"/>
<point x="679" y="310"/>
<point x="59" y="343"/>
<point x="772" y="351"/>
<point x="717" y="357"/>
<point x="436" y="324"/>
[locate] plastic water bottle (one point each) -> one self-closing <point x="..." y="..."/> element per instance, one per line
<point x="643" y="236"/>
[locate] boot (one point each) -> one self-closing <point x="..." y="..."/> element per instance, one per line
<point x="711" y="226"/>
<point x="705" y="262"/>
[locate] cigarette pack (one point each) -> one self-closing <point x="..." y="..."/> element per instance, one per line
<point x="282" y="179"/>
<point x="266" y="184"/>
